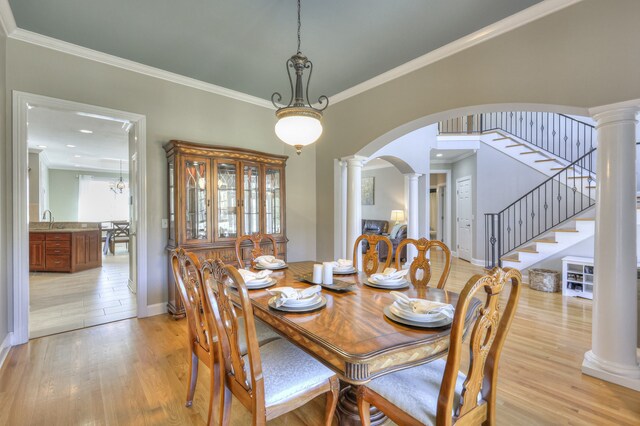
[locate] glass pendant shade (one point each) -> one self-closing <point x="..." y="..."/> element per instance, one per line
<point x="298" y="130"/>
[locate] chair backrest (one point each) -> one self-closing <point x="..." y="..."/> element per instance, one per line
<point x="186" y="271"/>
<point x="256" y="251"/>
<point x="488" y="333"/>
<point x="420" y="268"/>
<point x="247" y="384"/>
<point x="371" y="259"/>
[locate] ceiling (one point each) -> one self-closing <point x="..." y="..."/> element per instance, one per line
<point x="100" y="151"/>
<point x="243" y="44"/>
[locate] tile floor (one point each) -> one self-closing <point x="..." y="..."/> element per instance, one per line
<point x="61" y="302"/>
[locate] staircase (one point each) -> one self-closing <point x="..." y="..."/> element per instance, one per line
<point x="553" y="215"/>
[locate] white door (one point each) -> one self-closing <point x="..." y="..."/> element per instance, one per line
<point x="463" y="207"/>
<point x="133" y="210"/>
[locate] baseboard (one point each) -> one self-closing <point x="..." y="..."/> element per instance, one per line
<point x="157" y="309"/>
<point x="5" y="346"/>
<point x="477" y="262"/>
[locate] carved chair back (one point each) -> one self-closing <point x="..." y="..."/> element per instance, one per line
<point x="201" y="327"/>
<point x="371" y="259"/>
<point x="488" y="333"/>
<point x="420" y="268"/>
<point x="245" y="382"/>
<point x="256" y="251"/>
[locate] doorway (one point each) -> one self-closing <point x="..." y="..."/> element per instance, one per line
<point x="96" y="224"/>
<point x="464" y="231"/>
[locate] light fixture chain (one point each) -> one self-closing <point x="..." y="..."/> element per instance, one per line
<point x="299" y="26"/>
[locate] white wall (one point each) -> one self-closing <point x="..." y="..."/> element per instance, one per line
<point x="173" y="111"/>
<point x="6" y="322"/>
<point x="389" y="193"/>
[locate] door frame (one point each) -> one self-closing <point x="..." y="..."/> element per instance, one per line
<point x="470" y="178"/>
<point x="448" y="225"/>
<point x="20" y="224"/>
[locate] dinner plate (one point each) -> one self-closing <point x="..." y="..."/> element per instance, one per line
<point x="256" y="285"/>
<point x="310" y="308"/>
<point x="395" y="286"/>
<point x="436" y="324"/>
<point x="345" y="271"/>
<point x="275" y="268"/>
<point x="307" y="301"/>
<point x="398" y="311"/>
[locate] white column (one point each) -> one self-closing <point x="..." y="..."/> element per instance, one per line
<point x="354" y="204"/>
<point x="614" y="355"/>
<point x="343" y="213"/>
<point x="413" y="215"/>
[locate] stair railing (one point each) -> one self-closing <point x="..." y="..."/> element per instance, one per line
<point x="557" y="134"/>
<point x="559" y="198"/>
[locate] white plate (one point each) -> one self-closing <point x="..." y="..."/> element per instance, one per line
<point x="436" y="324"/>
<point x="255" y="285"/>
<point x="344" y="271"/>
<point x="412" y="316"/>
<point x="322" y="303"/>
<point x="298" y="303"/>
<point x="258" y="266"/>
<point x="389" y="286"/>
<point x="387" y="280"/>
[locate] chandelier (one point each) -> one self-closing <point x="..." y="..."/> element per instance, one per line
<point x="119" y="186"/>
<point x="298" y="122"/>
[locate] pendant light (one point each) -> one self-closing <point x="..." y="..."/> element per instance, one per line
<point x="120" y="185"/>
<point x="299" y="124"/>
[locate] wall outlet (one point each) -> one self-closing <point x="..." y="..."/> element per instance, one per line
<point x="165" y="223"/>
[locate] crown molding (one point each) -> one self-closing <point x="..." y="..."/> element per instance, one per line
<point x="105" y="58"/>
<point x="7" y="21"/>
<point x="505" y="25"/>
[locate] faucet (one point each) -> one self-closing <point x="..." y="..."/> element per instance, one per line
<point x="44" y="216"/>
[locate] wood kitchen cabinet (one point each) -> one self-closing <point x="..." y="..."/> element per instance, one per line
<point x="64" y="250"/>
<point x="217" y="194"/>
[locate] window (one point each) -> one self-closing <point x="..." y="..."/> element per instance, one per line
<point x="98" y="203"/>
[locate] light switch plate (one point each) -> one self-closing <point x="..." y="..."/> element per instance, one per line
<point x="165" y="223"/>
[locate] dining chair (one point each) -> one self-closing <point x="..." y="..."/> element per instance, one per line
<point x="420" y="267"/>
<point x="271" y="379"/>
<point x="437" y="393"/>
<point x="371" y="259"/>
<point x="201" y="328"/>
<point x="256" y="251"/>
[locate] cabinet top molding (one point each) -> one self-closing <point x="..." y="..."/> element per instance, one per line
<point x="178" y="146"/>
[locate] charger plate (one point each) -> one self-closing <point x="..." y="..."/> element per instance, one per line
<point x="297" y="309"/>
<point x="435" y="324"/>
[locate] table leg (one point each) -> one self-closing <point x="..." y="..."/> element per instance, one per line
<point x="348" y="409"/>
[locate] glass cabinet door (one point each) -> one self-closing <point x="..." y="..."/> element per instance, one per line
<point x="226" y="200"/>
<point x="251" y="186"/>
<point x="172" y="206"/>
<point x="273" y="201"/>
<point x="196" y="202"/>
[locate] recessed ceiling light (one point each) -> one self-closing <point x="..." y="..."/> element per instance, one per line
<point x="42" y="146"/>
<point x="77" y="156"/>
<point x="86" y="131"/>
<point x="439" y="155"/>
<point x="30" y="106"/>
<point x="71" y="146"/>
<point x="76" y="165"/>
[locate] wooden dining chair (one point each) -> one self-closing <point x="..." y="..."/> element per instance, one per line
<point x="437" y="393"/>
<point x="201" y="326"/>
<point x="420" y="267"/>
<point x="256" y="251"/>
<point x="371" y="259"/>
<point x="269" y="380"/>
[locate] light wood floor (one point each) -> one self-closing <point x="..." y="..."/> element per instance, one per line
<point x="135" y="371"/>
<point x="61" y="301"/>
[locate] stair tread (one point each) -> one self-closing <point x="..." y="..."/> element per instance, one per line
<point x="578" y="177"/>
<point x="565" y="230"/>
<point x="547" y="159"/>
<point x="546" y="241"/>
<point x="510" y="259"/>
<point x="514" y="145"/>
<point x="528" y="250"/>
<point x="561" y="168"/>
<point x="530" y="152"/>
<point x="586" y="219"/>
<point x="503" y="138"/>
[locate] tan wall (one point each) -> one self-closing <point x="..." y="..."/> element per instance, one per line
<point x="172" y="111"/>
<point x="583" y="56"/>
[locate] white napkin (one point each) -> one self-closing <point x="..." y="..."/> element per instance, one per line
<point x="268" y="261"/>
<point x="249" y="276"/>
<point x="343" y="264"/>
<point x="422" y="306"/>
<point x="390" y="274"/>
<point x="289" y="293"/>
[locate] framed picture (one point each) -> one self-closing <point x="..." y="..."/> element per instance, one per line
<point x="368" y="191"/>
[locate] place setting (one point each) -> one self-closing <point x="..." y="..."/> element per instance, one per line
<point x="255" y="280"/>
<point x="390" y="278"/>
<point x="322" y="275"/>
<point x="289" y="299"/>
<point x="419" y="312"/>
<point x="343" y="267"/>
<point x="269" y="262"/>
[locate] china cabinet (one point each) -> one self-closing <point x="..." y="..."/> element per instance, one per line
<point x="217" y="194"/>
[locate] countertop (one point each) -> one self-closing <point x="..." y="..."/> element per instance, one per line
<point x="63" y="230"/>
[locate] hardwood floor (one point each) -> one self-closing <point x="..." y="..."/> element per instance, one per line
<point x="135" y="372"/>
<point x="62" y="302"/>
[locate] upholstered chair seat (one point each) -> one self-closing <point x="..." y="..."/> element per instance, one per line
<point x="288" y="371"/>
<point x="415" y="390"/>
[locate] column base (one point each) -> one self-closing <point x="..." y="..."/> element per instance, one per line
<point x="628" y="377"/>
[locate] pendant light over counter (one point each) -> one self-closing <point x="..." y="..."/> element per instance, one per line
<point x="299" y="124"/>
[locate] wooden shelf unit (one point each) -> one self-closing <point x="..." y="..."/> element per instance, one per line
<point x="577" y="276"/>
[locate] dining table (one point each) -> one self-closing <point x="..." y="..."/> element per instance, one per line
<point x="352" y="335"/>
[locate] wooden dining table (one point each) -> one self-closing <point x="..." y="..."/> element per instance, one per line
<point x="352" y="335"/>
